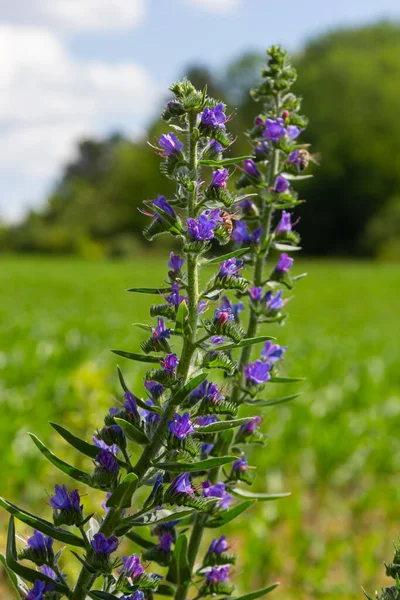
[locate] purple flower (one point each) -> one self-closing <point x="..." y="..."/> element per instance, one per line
<point x="262" y="150"/>
<point x="251" y="169"/>
<point x="202" y="307"/>
<point x="39" y="589"/>
<point x="181" y="426"/>
<point x="250" y="427"/>
<point x="161" y="332"/>
<point x="48" y="571"/>
<point x="217" y="491"/>
<point x="174" y="298"/>
<point x="217" y="339"/>
<point x="130" y="405"/>
<point x="222" y="315"/>
<point x="218" y="546"/>
<point x="206" y="420"/>
<point x="107" y="461"/>
<point x="274" y="129"/>
<point x="104" y="504"/>
<point x="170" y="144"/>
<point x="217" y="574"/>
<point x="284" y="225"/>
<point x="294" y="158"/>
<point x="293" y="131"/>
<point x="284" y="263"/>
<point x="272" y="352"/>
<point x="170" y="362"/>
<point x="182" y="484"/>
<point x="165" y="541"/>
<point x="62" y="500"/>
<point x="248" y="207"/>
<point x="256" y="293"/>
<point x="150" y="416"/>
<point x="103" y="545"/>
<point x="202" y="228"/>
<point x="235" y="308"/>
<point x="114" y="449"/>
<point x="219" y="178"/>
<point x="240" y="233"/>
<point x="240" y="464"/>
<point x="281" y="185"/>
<point x="257" y="372"/>
<point x="175" y="262"/>
<point x="213" y="118"/>
<point x="205" y="448"/>
<point x="132" y="566"/>
<point x="163" y="205"/>
<point x="137" y="595"/>
<point x="199" y="392"/>
<point x="40" y="543"/>
<point x="214" y="148"/>
<point x="154" y="388"/>
<point x="230" y="267"/>
<point x="273" y="304"/>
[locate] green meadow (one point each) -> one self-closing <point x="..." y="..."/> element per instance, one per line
<point x="336" y="447"/>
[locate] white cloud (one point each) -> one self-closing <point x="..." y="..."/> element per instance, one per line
<point x="75" y="14"/>
<point x="217" y="6"/>
<point x="49" y="99"/>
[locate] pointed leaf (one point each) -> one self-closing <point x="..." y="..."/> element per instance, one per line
<point x="132" y="433"/>
<point x="187" y="389"/>
<point x="16" y="581"/>
<point x="180" y="559"/>
<point x="60" y="464"/>
<point x="140" y="402"/>
<point x="181" y="318"/>
<point x="366" y="594"/>
<point x="99" y="595"/>
<point x="138" y="357"/>
<point x="143" y="326"/>
<point x="202" y="465"/>
<point x="19" y="569"/>
<point x="224" y="161"/>
<point x="153" y="291"/>
<point x="159" y="516"/>
<point x="219" y="259"/>
<point x="271" y="402"/>
<point x="260" y="497"/>
<point x="286" y="379"/>
<point x="242" y="343"/>
<point x="42" y="525"/>
<point x="165" y="590"/>
<point x="222" y="425"/>
<point x="292" y="177"/>
<point x="229" y="515"/>
<point x="256" y="594"/>
<point x="286" y="247"/>
<point x="122" y="495"/>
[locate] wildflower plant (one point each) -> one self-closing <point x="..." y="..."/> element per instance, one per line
<point x="173" y="463"/>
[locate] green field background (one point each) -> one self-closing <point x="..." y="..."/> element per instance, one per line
<point x="336" y="448"/>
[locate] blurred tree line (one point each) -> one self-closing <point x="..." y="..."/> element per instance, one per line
<point x="350" y="82"/>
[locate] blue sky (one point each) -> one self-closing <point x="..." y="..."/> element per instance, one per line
<point x="70" y="68"/>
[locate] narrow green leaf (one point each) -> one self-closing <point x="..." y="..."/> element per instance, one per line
<point x="242" y="343"/>
<point x="223" y="161"/>
<point x="153" y="291"/>
<point x="202" y="465"/>
<point x="286" y="247"/>
<point x="229" y="515"/>
<point x="122" y="495"/>
<point x="297" y="177"/>
<point x="286" y="379"/>
<point x="187" y="389"/>
<point x="137" y="357"/>
<point x="19" y="569"/>
<point x="60" y="464"/>
<point x="271" y="402"/>
<point x="17" y="583"/>
<point x="219" y="259"/>
<point x="181" y="558"/>
<point x="366" y="594"/>
<point x="140" y="402"/>
<point x="261" y="497"/>
<point x="84" y="447"/>
<point x="42" y="525"/>
<point x="159" y="516"/>
<point x="222" y="425"/>
<point x="84" y="562"/>
<point x="165" y="590"/>
<point x="143" y="326"/>
<point x="135" y="537"/>
<point x="256" y="594"/>
<point x="133" y="433"/>
<point x="181" y="318"/>
<point x="99" y="595"/>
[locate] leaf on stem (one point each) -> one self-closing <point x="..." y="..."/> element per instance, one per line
<point x="272" y="402"/>
<point x="132" y="432"/>
<point x="219" y="259"/>
<point x="260" y="497"/>
<point x="122" y="495"/>
<point x="222" y="425"/>
<point x="202" y="465"/>
<point x="137" y="357"/>
<point x="229" y="515"/>
<point x="256" y="594"/>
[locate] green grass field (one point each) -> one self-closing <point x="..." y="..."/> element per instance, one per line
<point x="336" y="448"/>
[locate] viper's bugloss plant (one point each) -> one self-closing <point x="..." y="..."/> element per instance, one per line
<point x="392" y="570"/>
<point x="174" y="463"/>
